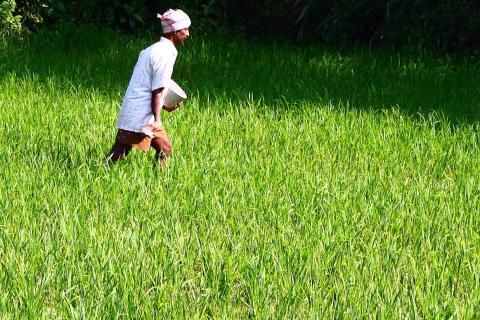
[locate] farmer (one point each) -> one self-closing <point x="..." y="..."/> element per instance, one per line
<point x="139" y="123"/>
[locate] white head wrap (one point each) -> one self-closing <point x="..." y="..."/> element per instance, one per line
<point x="174" y="20"/>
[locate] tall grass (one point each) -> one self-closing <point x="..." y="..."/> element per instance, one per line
<point x="306" y="182"/>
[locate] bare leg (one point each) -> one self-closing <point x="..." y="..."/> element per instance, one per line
<point x="163" y="149"/>
<point x="119" y="152"/>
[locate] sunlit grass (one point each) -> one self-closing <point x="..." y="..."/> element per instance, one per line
<point x="305" y="182"/>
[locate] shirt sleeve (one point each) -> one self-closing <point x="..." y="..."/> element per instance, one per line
<point x="162" y="69"/>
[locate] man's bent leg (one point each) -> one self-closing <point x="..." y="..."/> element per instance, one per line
<point x="119" y="152"/>
<point x="163" y="148"/>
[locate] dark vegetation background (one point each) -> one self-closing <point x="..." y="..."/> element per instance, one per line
<point x="450" y="25"/>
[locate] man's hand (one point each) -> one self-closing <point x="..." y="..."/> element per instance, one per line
<point x="170" y="109"/>
<point x="149" y="128"/>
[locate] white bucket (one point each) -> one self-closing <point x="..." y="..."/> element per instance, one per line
<point x="175" y="94"/>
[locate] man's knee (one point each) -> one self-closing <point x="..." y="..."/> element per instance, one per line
<point x="167" y="149"/>
<point x="162" y="146"/>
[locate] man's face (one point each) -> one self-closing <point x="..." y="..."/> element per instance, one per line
<point x="181" y="35"/>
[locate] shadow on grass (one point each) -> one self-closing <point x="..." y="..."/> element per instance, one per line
<point x="280" y="75"/>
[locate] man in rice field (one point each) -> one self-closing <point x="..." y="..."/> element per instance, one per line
<point x="139" y="123"/>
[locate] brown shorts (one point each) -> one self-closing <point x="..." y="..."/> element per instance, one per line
<point x="138" y="139"/>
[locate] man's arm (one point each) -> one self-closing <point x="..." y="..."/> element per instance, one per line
<point x="157" y="103"/>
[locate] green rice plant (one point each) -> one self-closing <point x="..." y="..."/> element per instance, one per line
<point x="305" y="182"/>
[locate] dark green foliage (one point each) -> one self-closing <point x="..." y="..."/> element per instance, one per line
<point x="447" y="24"/>
<point x="33" y="12"/>
<point x="126" y="15"/>
<point x="9" y="23"/>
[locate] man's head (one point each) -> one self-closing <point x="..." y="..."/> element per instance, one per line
<point x="175" y="24"/>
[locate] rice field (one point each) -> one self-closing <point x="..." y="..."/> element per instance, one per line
<point x="306" y="182"/>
